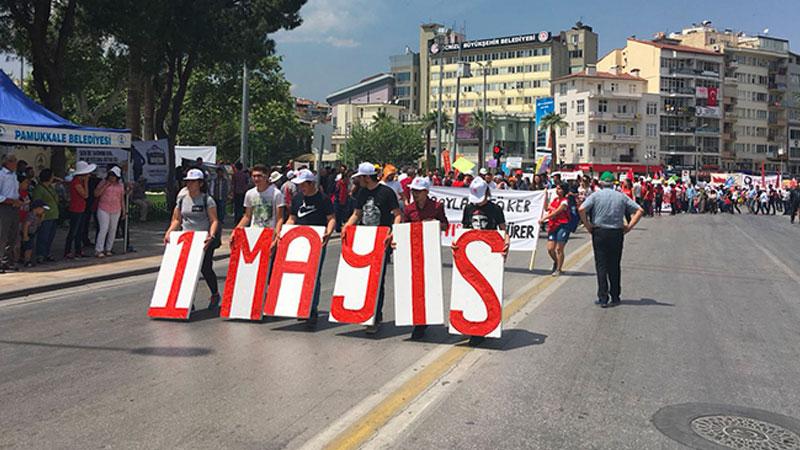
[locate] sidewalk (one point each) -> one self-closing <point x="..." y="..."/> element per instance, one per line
<point x="145" y="238"/>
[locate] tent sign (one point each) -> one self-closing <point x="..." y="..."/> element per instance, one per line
<point x="18" y="134"/>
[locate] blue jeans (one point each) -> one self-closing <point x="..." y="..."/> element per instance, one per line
<point x="317" y="289"/>
<point x="221" y="210"/>
<point x="45" y="236"/>
<point x="379" y="309"/>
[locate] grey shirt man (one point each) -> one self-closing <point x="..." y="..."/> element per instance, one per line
<point x="607" y="208"/>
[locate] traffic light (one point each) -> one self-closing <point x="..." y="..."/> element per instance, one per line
<point x="497" y="151"/>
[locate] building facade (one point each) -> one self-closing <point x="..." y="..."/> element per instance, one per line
<point x="517" y="69"/>
<point x="613" y="121"/>
<point x="793" y="113"/>
<point x="405" y="69"/>
<point x="758" y="97"/>
<point x="689" y="82"/>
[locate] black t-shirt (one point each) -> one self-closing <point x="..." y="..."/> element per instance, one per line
<point x="485" y="217"/>
<point x="312" y="210"/>
<point x="376" y="205"/>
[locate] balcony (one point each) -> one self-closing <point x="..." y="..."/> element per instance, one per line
<point x="607" y="116"/>
<point x="614" y="138"/>
<point x="678" y="131"/>
<point x="726" y="154"/>
<point x="681" y="111"/>
<point x="613" y="94"/>
<point x="730" y="100"/>
<point x="731" y="81"/>
<point x="777" y="86"/>
<point x="707" y="131"/>
<point x="672" y="149"/>
<point x="683" y="91"/>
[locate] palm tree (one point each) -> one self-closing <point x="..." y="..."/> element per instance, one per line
<point x="381" y="116"/>
<point x="476" y="123"/>
<point x="428" y="124"/>
<point x="550" y="122"/>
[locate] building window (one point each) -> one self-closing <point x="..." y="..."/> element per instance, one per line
<point x="601" y="128"/>
<point x="622" y="108"/>
<point x="562" y="131"/>
<point x="652" y="130"/>
<point x="562" y="108"/>
<point x="580" y="150"/>
<point x="614" y="87"/>
<point x="632" y="88"/>
<point x="581" y="106"/>
<point x="602" y="106"/>
<point x="580" y="128"/>
<point x="652" y="109"/>
<point x="562" y="88"/>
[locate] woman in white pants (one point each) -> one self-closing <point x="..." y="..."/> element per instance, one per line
<point x="110" y="195"/>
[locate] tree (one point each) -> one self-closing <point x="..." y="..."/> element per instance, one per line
<point x="383" y="141"/>
<point x="550" y="122"/>
<point x="213" y="109"/>
<point x="476" y="123"/>
<point x="428" y="124"/>
<point x="41" y="30"/>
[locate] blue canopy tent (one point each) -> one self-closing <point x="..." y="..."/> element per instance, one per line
<point x="25" y="122"/>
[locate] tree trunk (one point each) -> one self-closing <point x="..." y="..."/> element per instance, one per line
<point x="428" y="149"/>
<point x="554" y="157"/>
<point x="149" y="110"/>
<point x="133" y="117"/>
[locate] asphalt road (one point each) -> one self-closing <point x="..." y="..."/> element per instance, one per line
<point x="710" y="314"/>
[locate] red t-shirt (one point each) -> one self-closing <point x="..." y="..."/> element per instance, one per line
<point x="559" y="219"/>
<point x="458" y="183"/>
<point x="77" y="204"/>
<point x="406" y="190"/>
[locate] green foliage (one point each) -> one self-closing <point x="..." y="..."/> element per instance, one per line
<point x="384" y="141"/>
<point x="212" y="114"/>
<point x="552" y="120"/>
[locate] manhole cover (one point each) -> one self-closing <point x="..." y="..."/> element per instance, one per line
<point x="708" y="426"/>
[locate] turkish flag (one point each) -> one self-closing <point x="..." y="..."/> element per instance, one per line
<point x="712" y="96"/>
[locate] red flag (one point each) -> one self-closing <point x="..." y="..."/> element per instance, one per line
<point x="630" y="174"/>
<point x="712" y="96"/>
<point x="763" y="176"/>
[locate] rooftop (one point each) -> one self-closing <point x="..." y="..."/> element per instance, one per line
<point x="604" y="75"/>
<point x="675" y="47"/>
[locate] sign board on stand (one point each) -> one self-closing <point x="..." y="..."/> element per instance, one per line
<point x="294" y="271"/>
<point x="246" y="282"/>
<point x="418" y="295"/>
<point x="177" y="278"/>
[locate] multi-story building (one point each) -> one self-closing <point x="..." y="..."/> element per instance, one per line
<point x="793" y="113"/>
<point x="310" y="112"/>
<point x="756" y="98"/>
<point x="613" y="121"/>
<point x="405" y="69"/>
<point x="689" y="82"/>
<point x="518" y="70"/>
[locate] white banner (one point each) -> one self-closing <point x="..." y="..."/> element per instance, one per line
<point x="103" y="157"/>
<point x="18" y="134"/>
<point x="150" y="162"/>
<point x="522" y="210"/>
<point x="177" y="278"/>
<point x="418" y="297"/>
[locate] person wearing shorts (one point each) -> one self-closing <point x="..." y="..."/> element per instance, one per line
<point x="557" y="218"/>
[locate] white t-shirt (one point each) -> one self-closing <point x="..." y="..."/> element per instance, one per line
<point x="396" y="187"/>
<point x="264" y="206"/>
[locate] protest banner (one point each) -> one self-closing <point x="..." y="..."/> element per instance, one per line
<point x="177" y="278"/>
<point x="103" y="158"/>
<point x="243" y="297"/>
<point x="762" y="182"/>
<point x="522" y="210"/>
<point x="294" y="271"/>
<point x="358" y="277"/>
<point x="476" y="306"/>
<point x="150" y="162"/>
<point x="418" y="295"/>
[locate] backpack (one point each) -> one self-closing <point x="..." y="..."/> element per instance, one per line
<point x="574" y="218"/>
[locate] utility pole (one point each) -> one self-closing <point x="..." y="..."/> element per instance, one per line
<point x="439" y="39"/>
<point x="459" y="70"/>
<point x="243" y="155"/>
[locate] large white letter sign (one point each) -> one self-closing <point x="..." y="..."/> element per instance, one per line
<point x="358" y="277"/>
<point x="294" y="271"/>
<point x="418" y="298"/>
<point x="177" y="278"/>
<point x="476" y="307"/>
<point x="246" y="282"/>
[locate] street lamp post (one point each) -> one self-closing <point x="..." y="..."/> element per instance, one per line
<point x="461" y="70"/>
<point x="481" y="150"/>
<point x="439" y="37"/>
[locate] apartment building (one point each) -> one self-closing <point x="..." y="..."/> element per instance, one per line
<point x="518" y="70"/>
<point x="689" y="81"/>
<point x="757" y="95"/>
<point x="793" y="114"/>
<point x="613" y="121"/>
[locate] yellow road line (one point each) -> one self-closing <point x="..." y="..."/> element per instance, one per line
<point x="369" y="424"/>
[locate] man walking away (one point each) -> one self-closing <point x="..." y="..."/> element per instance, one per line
<point x="607" y="209"/>
<point x="9" y="211"/>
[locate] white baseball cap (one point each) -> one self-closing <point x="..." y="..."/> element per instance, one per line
<point x="194" y="174"/>
<point x="483" y="171"/>
<point x="274" y="176"/>
<point x="477" y="190"/>
<point x="303" y="176"/>
<point x="290" y="174"/>
<point x="365" y="169"/>
<point x="116" y="171"/>
<point x="420" y="184"/>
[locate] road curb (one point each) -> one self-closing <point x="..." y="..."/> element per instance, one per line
<point x="8" y="295"/>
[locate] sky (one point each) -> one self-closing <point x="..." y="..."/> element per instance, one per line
<point x="343" y="41"/>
